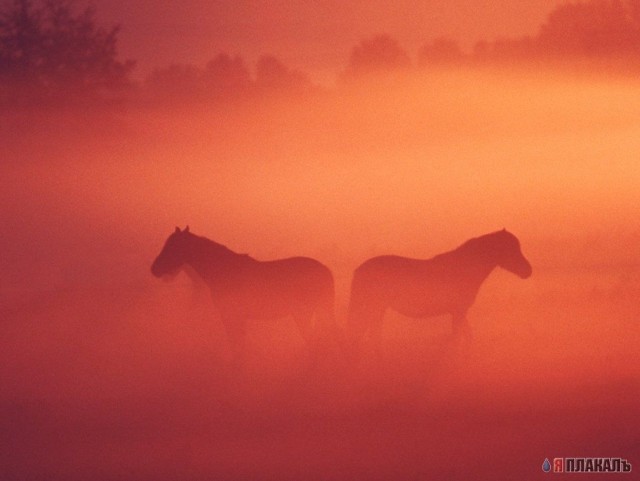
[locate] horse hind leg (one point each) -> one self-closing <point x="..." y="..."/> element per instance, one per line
<point x="303" y="318"/>
<point x="315" y="316"/>
<point x="364" y="319"/>
<point x="376" y="337"/>
<point x="330" y="342"/>
<point x="316" y="325"/>
<point x="357" y="325"/>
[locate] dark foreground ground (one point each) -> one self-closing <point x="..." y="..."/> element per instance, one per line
<point x="136" y="385"/>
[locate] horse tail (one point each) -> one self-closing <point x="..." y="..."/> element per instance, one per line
<point x="357" y="310"/>
<point x="328" y="343"/>
<point x="325" y="308"/>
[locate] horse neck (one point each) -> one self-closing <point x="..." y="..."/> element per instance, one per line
<point x="480" y="256"/>
<point x="211" y="260"/>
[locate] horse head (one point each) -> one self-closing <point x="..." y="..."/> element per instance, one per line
<point x="173" y="255"/>
<point x="510" y="256"/>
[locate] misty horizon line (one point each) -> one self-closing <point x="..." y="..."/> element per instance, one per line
<point x="72" y="55"/>
<point x="187" y="84"/>
<point x="582" y="30"/>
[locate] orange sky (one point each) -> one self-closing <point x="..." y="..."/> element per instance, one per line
<point x="315" y="36"/>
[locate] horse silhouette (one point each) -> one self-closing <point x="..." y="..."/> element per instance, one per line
<point x="445" y="284"/>
<point x="244" y="288"/>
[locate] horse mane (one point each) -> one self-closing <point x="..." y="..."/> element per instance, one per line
<point x="478" y="242"/>
<point x="211" y="248"/>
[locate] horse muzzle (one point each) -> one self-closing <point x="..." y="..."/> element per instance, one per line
<point x="526" y="271"/>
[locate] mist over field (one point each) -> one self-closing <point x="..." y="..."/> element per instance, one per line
<point x="109" y="373"/>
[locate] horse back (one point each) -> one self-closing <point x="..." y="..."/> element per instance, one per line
<point x="275" y="288"/>
<point x="294" y="270"/>
<point x="414" y="287"/>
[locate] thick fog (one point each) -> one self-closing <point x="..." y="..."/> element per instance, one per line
<point x="110" y="373"/>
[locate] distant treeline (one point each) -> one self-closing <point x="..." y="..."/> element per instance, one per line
<point x="53" y="52"/>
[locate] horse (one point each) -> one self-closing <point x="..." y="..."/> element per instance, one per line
<point x="445" y="284"/>
<point x="244" y="288"/>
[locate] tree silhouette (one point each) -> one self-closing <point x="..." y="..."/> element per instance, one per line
<point x="272" y="74"/>
<point x="507" y="50"/>
<point x="47" y="46"/>
<point x="593" y="28"/>
<point x="223" y="77"/>
<point x="226" y="74"/>
<point x="600" y="30"/>
<point x="175" y="82"/>
<point x="377" y="55"/>
<point x="441" y="50"/>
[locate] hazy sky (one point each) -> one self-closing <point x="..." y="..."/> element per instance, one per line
<point x="315" y="36"/>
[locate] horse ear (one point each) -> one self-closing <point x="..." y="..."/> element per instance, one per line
<point x="177" y="230"/>
<point x="186" y="229"/>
